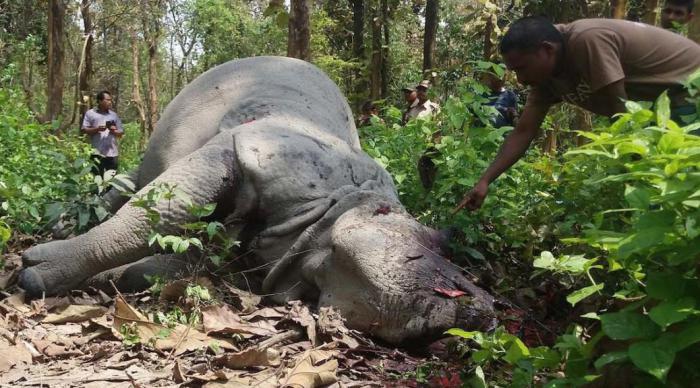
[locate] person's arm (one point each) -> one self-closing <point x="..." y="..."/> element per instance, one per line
<point x="117" y="130"/>
<point x="512" y="150"/>
<point x="89" y="127"/>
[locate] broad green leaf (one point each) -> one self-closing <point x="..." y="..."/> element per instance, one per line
<point x="83" y="216"/>
<point x="516" y="351"/>
<point x="691" y="225"/>
<point x="583" y="293"/>
<point x="672" y="311"/>
<point x="663" y="109"/>
<point x="544" y="357"/>
<point x="479" y="379"/>
<point x="637" y="197"/>
<point x="545" y="261"/>
<point x="628" y="325"/>
<point x="666" y="286"/>
<point x="655" y="358"/>
<point x="608" y="358"/>
<point x="461" y="333"/>
<point x="688" y="336"/>
<point x="101" y="213"/>
<point x="474" y="253"/>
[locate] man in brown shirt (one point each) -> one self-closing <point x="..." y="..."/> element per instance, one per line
<point x="592" y="63"/>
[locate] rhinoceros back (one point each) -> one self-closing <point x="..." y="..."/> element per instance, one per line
<point x="242" y="91"/>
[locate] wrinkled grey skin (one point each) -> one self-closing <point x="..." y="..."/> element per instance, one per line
<point x="272" y="142"/>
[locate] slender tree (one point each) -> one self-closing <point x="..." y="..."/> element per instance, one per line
<point x="375" y="66"/>
<point x="85" y="69"/>
<point x="299" y="34"/>
<point x="56" y="60"/>
<point x="152" y="13"/>
<point x="431" y="24"/>
<point x="618" y="9"/>
<point x="650" y="11"/>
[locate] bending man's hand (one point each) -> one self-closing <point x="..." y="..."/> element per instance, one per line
<point x="474" y="198"/>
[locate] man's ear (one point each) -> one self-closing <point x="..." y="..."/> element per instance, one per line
<point x="549" y="47"/>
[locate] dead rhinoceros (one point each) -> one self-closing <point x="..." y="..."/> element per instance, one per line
<point x="272" y="142"/>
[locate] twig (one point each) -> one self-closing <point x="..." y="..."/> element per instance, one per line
<point x="289" y="335"/>
<point x="179" y="341"/>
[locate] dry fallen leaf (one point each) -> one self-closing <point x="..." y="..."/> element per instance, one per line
<point x="13" y="355"/>
<point x="75" y="313"/>
<point x="314" y="368"/>
<point x="331" y="327"/>
<point x="163" y="338"/>
<point x="299" y="313"/>
<point x="244" y="301"/>
<point x="222" y="320"/>
<point x="175" y="290"/>
<point x="250" y="357"/>
<point x="51" y="349"/>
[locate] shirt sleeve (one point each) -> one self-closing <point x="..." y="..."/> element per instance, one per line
<point x="597" y="56"/>
<point x="87" y="122"/>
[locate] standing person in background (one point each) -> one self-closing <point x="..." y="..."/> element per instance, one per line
<point x="368" y="110"/>
<point x="104" y="128"/>
<point x="504" y="100"/>
<point x="411" y="97"/>
<point x="596" y="64"/>
<point x="424" y="108"/>
<point x="676" y="13"/>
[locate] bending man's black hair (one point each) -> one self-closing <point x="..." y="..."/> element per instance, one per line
<point x="528" y="33"/>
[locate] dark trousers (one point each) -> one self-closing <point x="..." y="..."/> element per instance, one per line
<point x="100" y="164"/>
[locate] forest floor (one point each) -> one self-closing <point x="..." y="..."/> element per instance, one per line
<point x="148" y="339"/>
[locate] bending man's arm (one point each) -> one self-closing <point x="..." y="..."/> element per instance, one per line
<point x="512" y="150"/>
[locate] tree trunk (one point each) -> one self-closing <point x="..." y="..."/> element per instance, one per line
<point x="385" y="49"/>
<point x="56" y="59"/>
<point x="358" y="28"/>
<point x="650" y="12"/>
<point x="86" y="68"/>
<point x="618" y="9"/>
<point x="375" y="76"/>
<point x="299" y="34"/>
<point x="152" y="85"/>
<point x="151" y="19"/>
<point x="488" y="45"/>
<point x="431" y="23"/>
<point x="136" y="87"/>
<point x="694" y="25"/>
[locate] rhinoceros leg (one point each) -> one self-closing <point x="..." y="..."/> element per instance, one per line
<point x="206" y="176"/>
<point x="383" y="273"/>
<point x="134" y="277"/>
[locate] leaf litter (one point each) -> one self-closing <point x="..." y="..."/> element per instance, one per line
<point x="90" y="339"/>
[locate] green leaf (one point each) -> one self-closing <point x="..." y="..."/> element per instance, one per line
<point x="516" y="351"/>
<point x="544" y="357"/>
<point x="101" y="213"/>
<point x="474" y="253"/>
<point x="83" y="216"/>
<point x="545" y="261"/>
<point x="637" y="198"/>
<point x="655" y="358"/>
<point x="628" y="325"/>
<point x="663" y="109"/>
<point x="583" y="293"/>
<point x="461" y="333"/>
<point x="196" y="242"/>
<point x="666" y="286"/>
<point x="608" y="358"/>
<point x="479" y="379"/>
<point x="687" y="337"/>
<point x="672" y="311"/>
